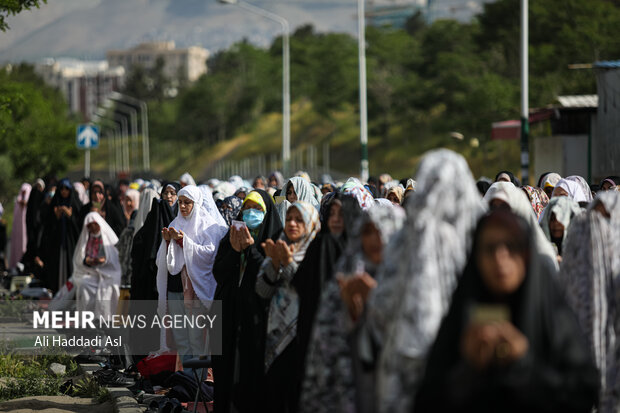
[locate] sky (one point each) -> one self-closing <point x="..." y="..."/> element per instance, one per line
<point x="85" y="29"/>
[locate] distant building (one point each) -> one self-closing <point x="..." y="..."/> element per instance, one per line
<point x="393" y="14"/>
<point x="188" y="63"/>
<point x="606" y="129"/>
<point x="84" y="84"/>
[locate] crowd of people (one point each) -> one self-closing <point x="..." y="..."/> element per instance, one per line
<point x="434" y="294"/>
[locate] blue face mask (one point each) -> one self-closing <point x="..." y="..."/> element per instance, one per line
<point x="253" y="218"/>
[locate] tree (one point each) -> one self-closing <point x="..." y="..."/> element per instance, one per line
<point x="36" y="137"/>
<point x="13" y="7"/>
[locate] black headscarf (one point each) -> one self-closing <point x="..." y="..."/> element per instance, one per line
<point x="111" y="207"/>
<point x="512" y="177"/>
<point x="557" y="373"/>
<point x="34" y="211"/>
<point x="243" y="316"/>
<point x="59" y="233"/>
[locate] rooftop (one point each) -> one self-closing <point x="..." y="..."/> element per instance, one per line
<point x="579" y="101"/>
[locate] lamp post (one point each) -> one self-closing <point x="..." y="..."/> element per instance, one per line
<point x="133" y="118"/>
<point x="144" y="119"/>
<point x="286" y="91"/>
<point x="525" y="121"/>
<point x="122" y="121"/>
<point x="361" y="47"/>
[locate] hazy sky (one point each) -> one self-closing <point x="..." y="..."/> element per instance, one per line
<point x="87" y="28"/>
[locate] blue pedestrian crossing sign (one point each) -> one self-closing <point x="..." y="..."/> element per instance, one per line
<point x="87" y="136"/>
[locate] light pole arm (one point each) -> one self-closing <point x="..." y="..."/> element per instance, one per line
<point x="264" y="13"/>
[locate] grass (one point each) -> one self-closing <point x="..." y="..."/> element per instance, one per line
<point x="25" y="376"/>
<point x="398" y="153"/>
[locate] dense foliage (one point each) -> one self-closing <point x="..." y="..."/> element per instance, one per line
<point x="424" y="78"/>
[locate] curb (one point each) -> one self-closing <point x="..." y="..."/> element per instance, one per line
<point x="122" y="398"/>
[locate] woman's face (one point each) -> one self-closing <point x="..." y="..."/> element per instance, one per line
<point x="500" y="261"/>
<point x="557" y="191"/>
<point x="129" y="207"/>
<point x="393" y="198"/>
<point x="549" y="191"/>
<point x="273" y="182"/>
<point x="325" y="190"/>
<point x="93" y="228"/>
<point x="241" y="195"/>
<point x="169" y="195"/>
<point x="185" y="205"/>
<point x="556" y="229"/>
<point x="294" y="227"/>
<point x="606" y="186"/>
<point x="497" y="203"/>
<point x="371" y="243"/>
<point x="291" y="196"/>
<point x="65" y="192"/>
<point x="97" y="194"/>
<point x="249" y="204"/>
<point x="503" y="178"/>
<point x="335" y="221"/>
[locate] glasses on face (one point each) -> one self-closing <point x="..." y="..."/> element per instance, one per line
<point x="185" y="202"/>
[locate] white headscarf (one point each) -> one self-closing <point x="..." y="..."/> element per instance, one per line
<point x="574" y="189"/>
<point x="209" y="205"/>
<point x="146" y="202"/>
<point x="202" y="235"/>
<point x="109" y="272"/>
<point x="81" y="192"/>
<point x="564" y="210"/>
<point x="419" y="274"/>
<point x="187" y="179"/>
<point x="585" y="188"/>
<point x="590" y="274"/>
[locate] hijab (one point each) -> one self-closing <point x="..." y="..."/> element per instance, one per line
<point x="507" y="175"/>
<point x="354" y="188"/>
<point x="187" y="179"/>
<point x="329" y="383"/>
<point x="549" y="179"/>
<point x="146" y="202"/>
<point x="521" y="206"/>
<point x="19" y="238"/>
<point x="585" y="188"/>
<point x="303" y="189"/>
<point x="574" y="189"/>
<point x="108" y="273"/>
<point x="419" y="274"/>
<point x="134" y="195"/>
<point x="564" y="209"/>
<point x="556" y="373"/>
<point x="278" y="177"/>
<point x="590" y="270"/>
<point x="284" y="306"/>
<point x="398" y="191"/>
<point x="201" y="237"/>
<point x="230" y="208"/>
<point x="538" y="198"/>
<point x="81" y="192"/>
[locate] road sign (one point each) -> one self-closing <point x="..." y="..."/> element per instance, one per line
<point x="87" y="136"/>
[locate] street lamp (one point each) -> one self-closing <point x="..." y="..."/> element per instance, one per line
<point x="115" y="131"/>
<point x="286" y="90"/>
<point x="133" y="117"/>
<point x="144" y="119"/>
<point x="361" y="48"/>
<point x="122" y="121"/>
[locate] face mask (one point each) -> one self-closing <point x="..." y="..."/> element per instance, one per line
<point x="253" y="218"/>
